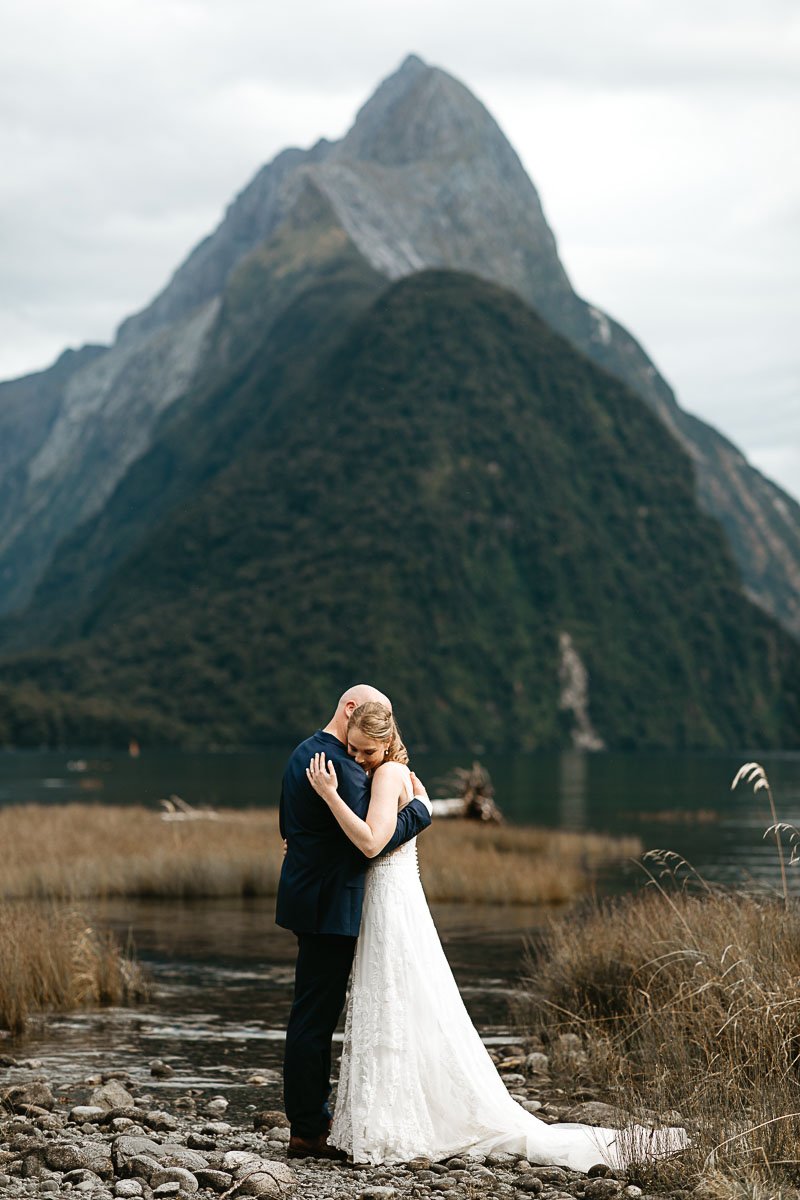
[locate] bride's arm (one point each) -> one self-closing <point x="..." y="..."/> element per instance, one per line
<point x="369" y="836"/>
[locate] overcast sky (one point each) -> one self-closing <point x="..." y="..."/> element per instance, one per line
<point x="663" y="140"/>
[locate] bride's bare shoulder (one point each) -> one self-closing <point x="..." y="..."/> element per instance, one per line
<point x="389" y="770"/>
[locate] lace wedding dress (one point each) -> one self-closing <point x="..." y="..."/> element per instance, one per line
<point x="415" y="1076"/>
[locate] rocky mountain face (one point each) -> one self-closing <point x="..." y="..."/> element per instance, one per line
<point x="98" y="450"/>
<point x="425" y="178"/>
<point x="442" y="495"/>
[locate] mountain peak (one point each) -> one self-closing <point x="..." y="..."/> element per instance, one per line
<point x="417" y="113"/>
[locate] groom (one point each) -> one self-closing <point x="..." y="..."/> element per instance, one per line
<point x="320" y="895"/>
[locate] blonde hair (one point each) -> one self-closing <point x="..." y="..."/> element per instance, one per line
<point x="377" y="721"/>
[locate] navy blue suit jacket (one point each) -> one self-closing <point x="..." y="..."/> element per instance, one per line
<point x="321" y="888"/>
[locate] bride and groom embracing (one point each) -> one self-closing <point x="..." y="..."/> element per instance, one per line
<point x="415" y="1077"/>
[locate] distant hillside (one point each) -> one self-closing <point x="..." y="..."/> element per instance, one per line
<point x="428" y="502"/>
<point x="424" y="179"/>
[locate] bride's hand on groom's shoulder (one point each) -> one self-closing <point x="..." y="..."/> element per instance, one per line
<point x="322" y="777"/>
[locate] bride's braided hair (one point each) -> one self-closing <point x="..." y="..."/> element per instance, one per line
<point x="377" y="721"/>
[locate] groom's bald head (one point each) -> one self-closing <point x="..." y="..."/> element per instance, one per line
<point x="349" y="701"/>
<point x="359" y="694"/>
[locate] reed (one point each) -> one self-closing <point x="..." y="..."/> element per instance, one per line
<point x="50" y="959"/>
<point x="686" y="999"/>
<point x="78" y="851"/>
<point x="465" y="861"/>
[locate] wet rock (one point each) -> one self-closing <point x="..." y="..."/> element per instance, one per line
<point x="602" y="1188"/>
<point x="49" y="1187"/>
<point x="80" y="1175"/>
<point x="594" y="1112"/>
<point x="537" y="1063"/>
<point x="112" y="1095"/>
<point x="215" y="1181"/>
<point x="36" y="1093"/>
<point x="514" y="1081"/>
<point x="5" y="1180"/>
<point x="599" y="1170"/>
<point x="500" y="1159"/>
<point x="160" y="1121"/>
<point x="217" y="1104"/>
<point x="128" y="1189"/>
<point x="632" y="1192"/>
<point x="199" y="1141"/>
<point x="531" y="1106"/>
<point x="258" y="1176"/>
<point x="532" y="1185"/>
<point x="122" y="1124"/>
<point x="181" y="1156"/>
<point x="419" y="1164"/>
<point x="160" y="1070"/>
<point x="142" y="1166"/>
<point x="377" y="1193"/>
<point x="185" y="1179"/>
<point x="69" y="1156"/>
<point x="86" y="1112"/>
<point x="33" y="1166"/>
<point x="217" y="1128"/>
<point x="127" y="1147"/>
<point x="167" y="1189"/>
<point x="21" y="1141"/>
<point x="270" y="1119"/>
<point x="548" y="1174"/>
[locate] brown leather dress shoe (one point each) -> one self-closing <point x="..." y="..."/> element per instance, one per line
<point x="314" y="1147"/>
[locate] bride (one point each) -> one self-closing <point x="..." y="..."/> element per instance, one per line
<point x="415" y="1076"/>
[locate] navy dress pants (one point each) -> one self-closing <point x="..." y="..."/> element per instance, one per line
<point x="320" y="990"/>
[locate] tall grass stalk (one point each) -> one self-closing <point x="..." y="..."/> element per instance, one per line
<point x="50" y="959"/>
<point x="754" y="773"/>
<point x="686" y="1000"/>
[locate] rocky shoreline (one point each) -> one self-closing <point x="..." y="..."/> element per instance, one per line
<point x="105" y="1137"/>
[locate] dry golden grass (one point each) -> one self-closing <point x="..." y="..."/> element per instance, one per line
<point x="86" y="850"/>
<point x="488" y="864"/>
<point x="50" y="959"/>
<point x="687" y="1002"/>
<point x="75" y="851"/>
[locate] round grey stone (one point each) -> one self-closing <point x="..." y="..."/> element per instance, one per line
<point x="215" y="1181"/>
<point x="601" y="1189"/>
<point x="112" y="1095"/>
<point x="179" y="1175"/>
<point x="128" y="1188"/>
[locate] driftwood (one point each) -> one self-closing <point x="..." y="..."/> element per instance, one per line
<point x="178" y="810"/>
<point x="475" y="800"/>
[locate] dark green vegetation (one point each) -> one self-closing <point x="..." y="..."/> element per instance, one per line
<point x="422" y="490"/>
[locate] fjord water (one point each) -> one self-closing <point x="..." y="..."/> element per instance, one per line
<point x="222" y="971"/>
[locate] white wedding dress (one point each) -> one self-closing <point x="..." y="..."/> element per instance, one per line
<point x="415" y="1076"/>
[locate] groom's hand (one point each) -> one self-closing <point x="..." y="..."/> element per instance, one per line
<point x="420" y="793"/>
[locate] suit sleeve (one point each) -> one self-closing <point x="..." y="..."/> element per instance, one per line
<point x="281" y="825"/>
<point x="411" y="820"/>
<point x="353" y="786"/>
